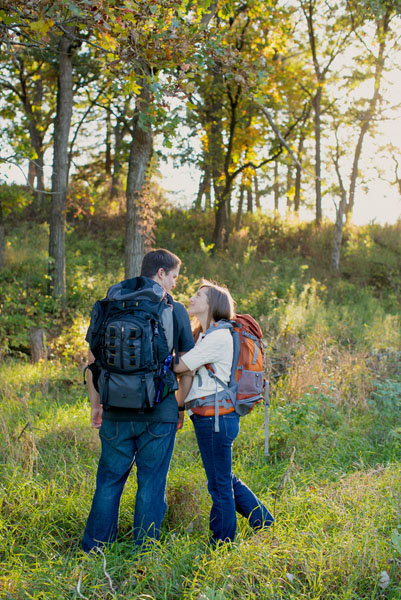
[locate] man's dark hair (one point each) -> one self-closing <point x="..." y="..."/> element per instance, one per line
<point x="159" y="259"/>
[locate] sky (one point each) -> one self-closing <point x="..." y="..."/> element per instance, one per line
<point x="376" y="201"/>
<point x="380" y="202"/>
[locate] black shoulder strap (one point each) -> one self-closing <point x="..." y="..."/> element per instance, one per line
<point x="175" y="336"/>
<point x="175" y="328"/>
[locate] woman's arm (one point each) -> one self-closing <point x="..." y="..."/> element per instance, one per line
<point x="180" y="367"/>
<point x="184" y="385"/>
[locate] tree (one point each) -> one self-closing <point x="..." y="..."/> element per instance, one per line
<point x="361" y="110"/>
<point x="27" y="83"/>
<point x="366" y="115"/>
<point x="328" y="29"/>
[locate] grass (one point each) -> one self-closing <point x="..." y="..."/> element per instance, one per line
<point x="332" y="479"/>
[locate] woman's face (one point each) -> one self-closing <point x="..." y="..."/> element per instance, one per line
<point x="198" y="304"/>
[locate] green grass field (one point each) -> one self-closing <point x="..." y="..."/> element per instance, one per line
<point x="332" y="479"/>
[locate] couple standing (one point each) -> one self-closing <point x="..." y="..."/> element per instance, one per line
<point x="147" y="437"/>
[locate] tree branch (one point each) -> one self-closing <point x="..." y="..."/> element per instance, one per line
<point x="278" y="134"/>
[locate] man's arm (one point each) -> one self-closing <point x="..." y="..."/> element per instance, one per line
<point x="96" y="407"/>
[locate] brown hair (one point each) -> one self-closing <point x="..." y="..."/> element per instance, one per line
<point x="159" y="259"/>
<point x="221" y="304"/>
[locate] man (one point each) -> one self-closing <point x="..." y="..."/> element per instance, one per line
<point x="144" y="437"/>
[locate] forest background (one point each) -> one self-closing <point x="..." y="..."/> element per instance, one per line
<point x="266" y="100"/>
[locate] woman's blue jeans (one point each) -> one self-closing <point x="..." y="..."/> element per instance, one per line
<point x="150" y="446"/>
<point x="229" y="494"/>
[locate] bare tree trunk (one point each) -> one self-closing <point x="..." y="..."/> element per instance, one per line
<point x="217" y="160"/>
<point x="288" y="190"/>
<point x="31" y="174"/>
<point x="204" y="187"/>
<point x="60" y="169"/>
<point x="298" y="174"/>
<point x="257" y="193"/>
<point x="240" y="207"/>
<point x="318" y="166"/>
<point x="338" y="234"/>
<point x="381" y="33"/>
<point x="140" y="154"/>
<point x="2" y="238"/>
<point x="37" y="344"/>
<point x="223" y="197"/>
<point x="35" y="133"/>
<point x="108" y="162"/>
<point x="276" y="188"/>
<point x="118" y="132"/>
<point x="249" y="199"/>
<point x="338" y="230"/>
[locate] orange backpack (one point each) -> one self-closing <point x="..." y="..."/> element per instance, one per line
<point x="248" y="385"/>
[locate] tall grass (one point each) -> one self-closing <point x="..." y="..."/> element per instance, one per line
<point x="332" y="478"/>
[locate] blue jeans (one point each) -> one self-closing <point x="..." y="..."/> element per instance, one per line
<point x="229" y="494"/>
<point x="150" y="446"/>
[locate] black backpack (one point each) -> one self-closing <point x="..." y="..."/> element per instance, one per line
<point x="131" y="335"/>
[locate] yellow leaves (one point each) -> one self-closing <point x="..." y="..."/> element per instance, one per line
<point x="109" y="42"/>
<point x="42" y="26"/>
<point x="132" y="85"/>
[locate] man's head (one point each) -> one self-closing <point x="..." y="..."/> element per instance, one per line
<point x="162" y="266"/>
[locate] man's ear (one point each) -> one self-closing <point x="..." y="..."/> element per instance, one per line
<point x="160" y="273"/>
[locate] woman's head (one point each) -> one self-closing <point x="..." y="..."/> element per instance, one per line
<point x="211" y="303"/>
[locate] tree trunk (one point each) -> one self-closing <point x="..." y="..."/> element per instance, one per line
<point x="221" y="156"/>
<point x="257" y="193"/>
<point x="36" y="134"/>
<point x="2" y="238"/>
<point x="338" y="230"/>
<point x="381" y="33"/>
<point x="31" y="174"/>
<point x="338" y="234"/>
<point x="60" y="169"/>
<point x="221" y="230"/>
<point x="118" y="132"/>
<point x="318" y="168"/>
<point x="40" y="182"/>
<point x="37" y="344"/>
<point x="108" y="162"/>
<point x="288" y="191"/>
<point x="249" y="199"/>
<point x="140" y="154"/>
<point x="204" y="188"/>
<point x="240" y="207"/>
<point x="276" y="189"/>
<point x="298" y="174"/>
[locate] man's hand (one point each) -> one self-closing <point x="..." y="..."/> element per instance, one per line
<point x="96" y="416"/>
<point x="180" y="423"/>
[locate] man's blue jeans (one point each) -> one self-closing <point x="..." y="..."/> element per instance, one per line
<point x="150" y="446"/>
<point x="229" y="494"/>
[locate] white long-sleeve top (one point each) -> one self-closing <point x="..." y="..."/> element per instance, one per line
<point x="217" y="349"/>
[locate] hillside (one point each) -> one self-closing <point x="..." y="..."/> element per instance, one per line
<point x="332" y="479"/>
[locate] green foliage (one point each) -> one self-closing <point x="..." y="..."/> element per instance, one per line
<point x="332" y="478"/>
<point x="13" y="197"/>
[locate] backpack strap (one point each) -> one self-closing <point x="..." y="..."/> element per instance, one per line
<point x="227" y="389"/>
<point x="222" y="324"/>
<point x="168" y="299"/>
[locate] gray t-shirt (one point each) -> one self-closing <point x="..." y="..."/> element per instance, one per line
<point x="166" y="411"/>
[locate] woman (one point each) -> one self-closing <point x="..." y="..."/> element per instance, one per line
<point x="210" y="305"/>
